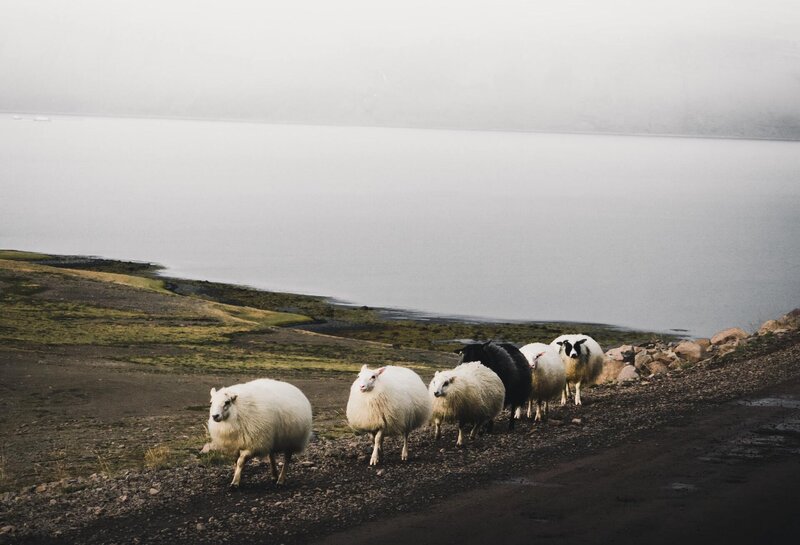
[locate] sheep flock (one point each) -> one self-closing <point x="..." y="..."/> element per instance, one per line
<point x="267" y="417"/>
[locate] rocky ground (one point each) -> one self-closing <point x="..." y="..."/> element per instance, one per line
<point x="331" y="488"/>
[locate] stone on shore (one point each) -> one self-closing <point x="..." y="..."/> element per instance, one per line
<point x="627" y="374"/>
<point x="611" y="369"/>
<point x="690" y="351"/>
<point x="730" y="335"/>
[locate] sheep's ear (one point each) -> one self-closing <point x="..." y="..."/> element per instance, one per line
<point x="380" y="370"/>
<point x="233" y="398"/>
<point x="452" y="379"/>
<point x="487" y="343"/>
<point x="213" y="391"/>
<point x="364" y="367"/>
<point x="560" y="343"/>
<point x="581" y="341"/>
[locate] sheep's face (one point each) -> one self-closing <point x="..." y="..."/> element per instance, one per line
<point x="535" y="361"/>
<point x="222" y="404"/>
<point x="367" y="378"/>
<point x="572" y="350"/>
<point x="441" y="383"/>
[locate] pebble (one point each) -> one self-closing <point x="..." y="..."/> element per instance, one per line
<point x="577" y="421"/>
<point x="153" y="491"/>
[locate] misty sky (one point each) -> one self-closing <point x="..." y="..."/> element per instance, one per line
<point x="717" y="67"/>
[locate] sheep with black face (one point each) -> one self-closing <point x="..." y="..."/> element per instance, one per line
<point x="583" y="360"/>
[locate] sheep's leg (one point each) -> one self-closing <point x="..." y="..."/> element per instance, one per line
<point x="287" y="457"/>
<point x="546" y="407"/>
<point x="518" y="413"/>
<point x="490" y="426"/>
<point x="404" y="453"/>
<point x="538" y="417"/>
<point x="437" y="427"/>
<point x="511" y="420"/>
<point x="237" y="471"/>
<point x="565" y="394"/>
<point x="376" y="449"/>
<point x="273" y="465"/>
<point x="530" y="405"/>
<point x="472" y="432"/>
<point x="460" y="440"/>
<point x="578" y="393"/>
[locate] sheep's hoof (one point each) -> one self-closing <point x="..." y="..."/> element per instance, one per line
<point x="373" y="461"/>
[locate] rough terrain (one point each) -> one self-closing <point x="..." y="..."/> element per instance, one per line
<point x="99" y="447"/>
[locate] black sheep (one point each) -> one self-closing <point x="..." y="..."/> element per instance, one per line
<point x="510" y="365"/>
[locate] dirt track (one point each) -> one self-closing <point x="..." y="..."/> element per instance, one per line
<point x="646" y="462"/>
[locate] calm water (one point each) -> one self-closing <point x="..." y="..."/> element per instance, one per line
<point x="637" y="231"/>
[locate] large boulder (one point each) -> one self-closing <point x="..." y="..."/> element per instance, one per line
<point x="690" y="351"/>
<point x="611" y="369"/>
<point x="627" y="374"/>
<point x="772" y="326"/>
<point x="731" y="335"/>
<point x="704" y="343"/>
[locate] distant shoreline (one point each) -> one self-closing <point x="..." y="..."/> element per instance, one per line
<point x="284" y="123"/>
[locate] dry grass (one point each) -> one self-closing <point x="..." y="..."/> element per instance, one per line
<point x="157" y="457"/>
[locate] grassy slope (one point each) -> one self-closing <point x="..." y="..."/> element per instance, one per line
<point x="189" y="324"/>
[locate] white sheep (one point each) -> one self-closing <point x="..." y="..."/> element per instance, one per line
<point x="469" y="394"/>
<point x="583" y="359"/>
<point x="258" y="418"/>
<point x="388" y="401"/>
<point x="548" y="375"/>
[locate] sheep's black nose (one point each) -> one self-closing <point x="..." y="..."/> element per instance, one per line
<point x="216" y="417"/>
<point x="437" y="394"/>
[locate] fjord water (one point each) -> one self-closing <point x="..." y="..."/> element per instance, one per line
<point x="646" y="232"/>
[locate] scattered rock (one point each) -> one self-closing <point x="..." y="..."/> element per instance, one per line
<point x="577" y="421"/>
<point x="153" y="491"/>
<point x="642" y="359"/>
<point x="690" y="351"/>
<point x="200" y="527"/>
<point x="611" y="369"/>
<point x="621" y="353"/>
<point x="6" y="529"/>
<point x="727" y="335"/>
<point x="703" y="342"/>
<point x="658" y="367"/>
<point x="41" y="488"/>
<point x="627" y="374"/>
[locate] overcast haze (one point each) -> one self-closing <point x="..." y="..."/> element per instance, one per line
<point x="727" y="68"/>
